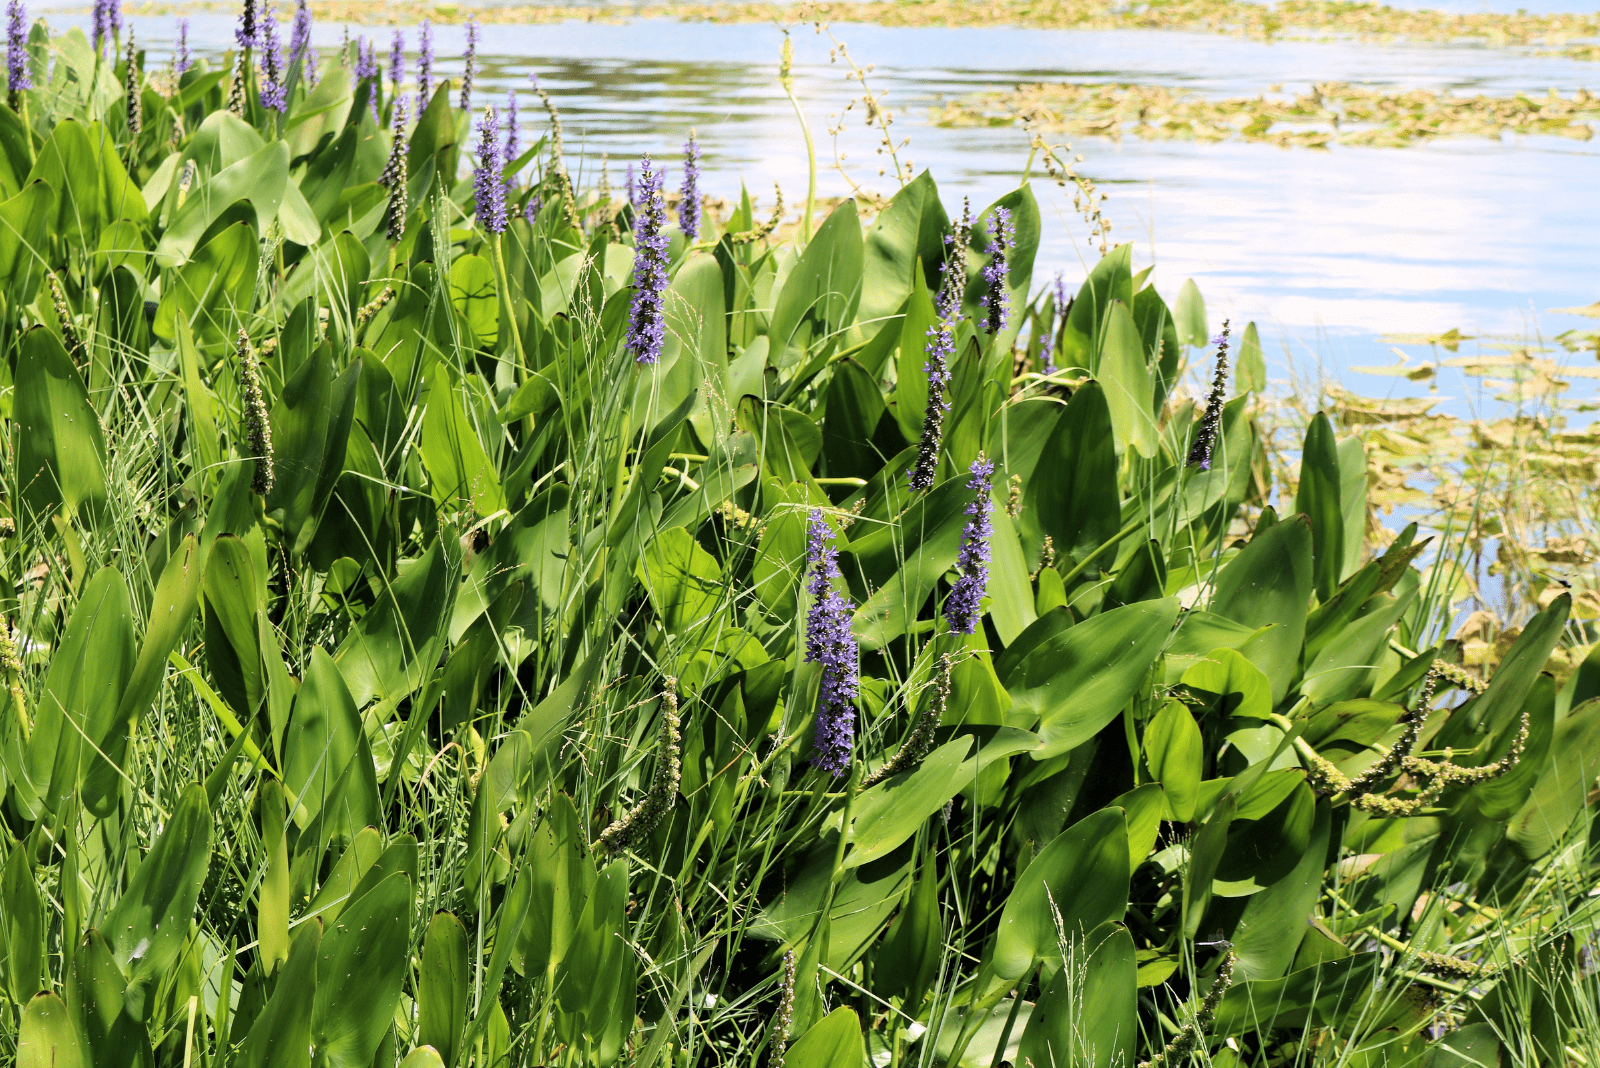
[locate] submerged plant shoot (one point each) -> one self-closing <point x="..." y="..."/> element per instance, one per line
<point x="456" y="615"/>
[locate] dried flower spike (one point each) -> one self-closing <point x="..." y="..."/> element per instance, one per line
<point x="941" y="350"/>
<point x="919" y="740"/>
<point x="395" y="177"/>
<point x="663" y="792"/>
<point x="783" y="1023"/>
<point x="830" y="643"/>
<point x="647" y="328"/>
<point x="469" y="59"/>
<point x="131" y="90"/>
<point x="1205" y="439"/>
<point x="745" y="237"/>
<point x="257" y="424"/>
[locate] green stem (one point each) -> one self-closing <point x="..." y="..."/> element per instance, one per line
<point x="811" y="160"/>
<point x="1081" y="566"/>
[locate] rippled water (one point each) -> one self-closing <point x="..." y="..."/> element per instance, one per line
<point x="1326" y="250"/>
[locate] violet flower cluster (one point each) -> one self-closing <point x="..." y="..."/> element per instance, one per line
<point x="627" y="184"/>
<point x="274" y="90"/>
<point x="244" y="35"/>
<point x="108" y="21"/>
<point x="1205" y="439"/>
<point x="470" y="55"/>
<point x="940" y="351"/>
<point x="368" y="69"/>
<point x="647" y="327"/>
<point x="964" y="605"/>
<point x="1063" y="305"/>
<point x="488" y="185"/>
<point x="180" y="56"/>
<point x="424" y="66"/>
<point x="689" y="202"/>
<point x="997" y="299"/>
<point x="830" y="643"/>
<point x="17" y="77"/>
<point x="300" y="50"/>
<point x="397" y="62"/>
<point x="513" y="135"/>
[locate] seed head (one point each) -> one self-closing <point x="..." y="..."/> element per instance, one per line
<point x="257" y="424"/>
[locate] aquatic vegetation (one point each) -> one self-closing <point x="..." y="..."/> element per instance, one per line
<point x="453" y="618"/>
<point x="1329" y="113"/>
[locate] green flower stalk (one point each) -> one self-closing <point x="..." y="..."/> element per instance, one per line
<point x="783" y="1023"/>
<point x="11" y="664"/>
<point x="257" y="425"/>
<point x="1187" y="1038"/>
<point x="236" y="90"/>
<point x="762" y="230"/>
<point x="663" y="792"/>
<point x="69" y="332"/>
<point x="920" y="739"/>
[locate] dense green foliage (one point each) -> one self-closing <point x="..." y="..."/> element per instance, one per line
<point x="420" y="678"/>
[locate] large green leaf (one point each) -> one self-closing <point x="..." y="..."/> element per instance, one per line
<point x="22" y="928"/>
<point x="23" y="222"/>
<point x="1082" y="876"/>
<point x="683" y="580"/>
<point x="1126" y="379"/>
<point x="1077" y="679"/>
<point x="909" y="230"/>
<point x="79" y="161"/>
<point x="360" y="969"/>
<point x="451" y="449"/>
<point x="1071" y="492"/>
<point x="88" y="676"/>
<point x="1088" y="1014"/>
<point x="259" y="179"/>
<point x="443" y="986"/>
<point x="1318" y="498"/>
<point x="389" y="652"/>
<point x="323" y="736"/>
<point x="61" y="453"/>
<point x="1563" y="786"/>
<point x="818" y="299"/>
<point x="892" y="811"/>
<point x="281" y="1035"/>
<point x="1274" y="922"/>
<point x="1269" y="585"/>
<point x="150" y="922"/>
<point x="48" y="1038"/>
<point x="832" y="1042"/>
<point x="1175" y="753"/>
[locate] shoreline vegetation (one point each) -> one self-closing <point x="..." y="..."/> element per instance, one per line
<point x="453" y="615"/>
<point x="1330" y="113"/>
<point x="1571" y="35"/>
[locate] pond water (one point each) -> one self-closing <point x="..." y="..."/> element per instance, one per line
<point x="1328" y="251"/>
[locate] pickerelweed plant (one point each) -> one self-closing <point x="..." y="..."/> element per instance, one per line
<point x="451" y="618"/>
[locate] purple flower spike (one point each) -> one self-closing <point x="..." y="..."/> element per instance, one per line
<point x="107" y="22"/>
<point x="424" y="66"/>
<point x="180" y="57"/>
<point x="997" y="300"/>
<point x="488" y="187"/>
<point x="274" y="91"/>
<point x="17" y="78"/>
<point x="300" y="50"/>
<point x="689" y="204"/>
<point x="530" y="210"/>
<point x="397" y="62"/>
<point x="647" y="326"/>
<point x="513" y="131"/>
<point x="1062" y="304"/>
<point x="367" y="68"/>
<point x="963" y="607"/>
<point x="830" y="643"/>
<point x="244" y="35"/>
<point x="627" y="183"/>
